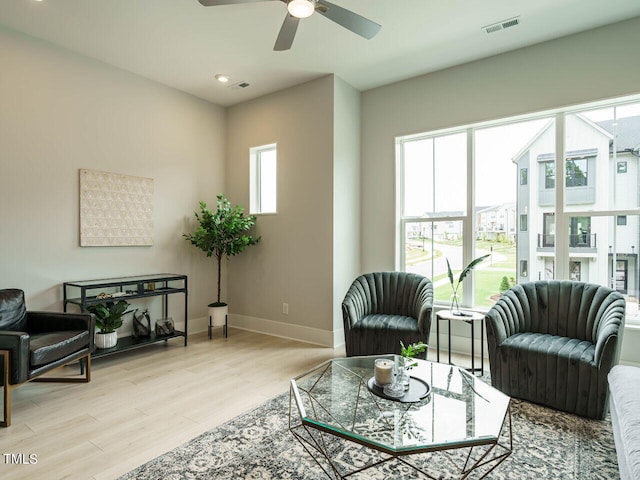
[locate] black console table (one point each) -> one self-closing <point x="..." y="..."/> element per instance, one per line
<point x="85" y="293"/>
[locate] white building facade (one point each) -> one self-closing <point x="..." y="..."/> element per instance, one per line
<point x="601" y="174"/>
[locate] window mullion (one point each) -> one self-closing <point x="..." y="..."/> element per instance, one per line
<point x="562" y="218"/>
<point x="468" y="223"/>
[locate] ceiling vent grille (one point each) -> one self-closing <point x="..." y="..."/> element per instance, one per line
<point x="496" y="27"/>
<point x="238" y="86"/>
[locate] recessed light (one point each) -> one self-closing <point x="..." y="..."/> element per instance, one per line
<point x="222" y="78"/>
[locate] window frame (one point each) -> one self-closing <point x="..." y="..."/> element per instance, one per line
<point x="255" y="181"/>
<point x="563" y="212"/>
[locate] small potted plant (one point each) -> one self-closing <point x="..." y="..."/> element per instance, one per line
<point x="407" y="353"/>
<point x="223" y="233"/>
<point x="455" y="305"/>
<point x="108" y="320"/>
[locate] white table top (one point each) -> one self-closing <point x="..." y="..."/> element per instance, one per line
<point x="468" y="315"/>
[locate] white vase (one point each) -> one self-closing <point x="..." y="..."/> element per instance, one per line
<point x="106" y="340"/>
<point x="218" y="315"/>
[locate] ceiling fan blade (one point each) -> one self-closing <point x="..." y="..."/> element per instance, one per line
<point x="348" y="19"/>
<point x="215" y="3"/>
<point x="287" y="33"/>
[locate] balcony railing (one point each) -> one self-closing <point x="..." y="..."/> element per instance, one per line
<point x="580" y="240"/>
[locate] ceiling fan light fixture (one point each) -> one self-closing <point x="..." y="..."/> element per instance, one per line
<point x="301" y="8"/>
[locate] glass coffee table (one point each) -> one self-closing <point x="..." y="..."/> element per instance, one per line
<point x="336" y="407"/>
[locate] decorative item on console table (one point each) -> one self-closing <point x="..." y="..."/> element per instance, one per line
<point x="141" y="324"/>
<point x="108" y="320"/>
<point x="455" y="303"/>
<point x="223" y="233"/>
<point x="165" y="327"/>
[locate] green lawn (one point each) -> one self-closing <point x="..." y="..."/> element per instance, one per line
<point x="487" y="284"/>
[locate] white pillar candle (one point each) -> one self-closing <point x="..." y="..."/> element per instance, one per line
<point x="383" y="371"/>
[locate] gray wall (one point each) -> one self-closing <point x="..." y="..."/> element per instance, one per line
<point x="60" y="112"/>
<point x="293" y="262"/>
<point x="346" y="197"/>
<point x="594" y="65"/>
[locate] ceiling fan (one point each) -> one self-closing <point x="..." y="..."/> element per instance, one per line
<point x="298" y="9"/>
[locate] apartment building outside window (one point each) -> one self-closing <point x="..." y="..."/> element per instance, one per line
<point x="584" y="228"/>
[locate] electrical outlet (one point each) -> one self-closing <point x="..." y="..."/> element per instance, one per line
<point x="285" y="308"/>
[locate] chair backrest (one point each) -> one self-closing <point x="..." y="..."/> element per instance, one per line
<point x="564" y="308"/>
<point x="13" y="312"/>
<point x="391" y="293"/>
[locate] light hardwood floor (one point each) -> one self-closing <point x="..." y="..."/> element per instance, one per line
<point x="141" y="404"/>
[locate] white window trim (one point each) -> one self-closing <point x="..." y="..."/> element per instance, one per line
<point x="255" y="185"/>
<point x="563" y="216"/>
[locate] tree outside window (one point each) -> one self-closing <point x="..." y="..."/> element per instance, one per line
<point x="576" y="172"/>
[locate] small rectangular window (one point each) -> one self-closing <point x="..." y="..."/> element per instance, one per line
<point x="621" y="220"/>
<point x="622" y="167"/>
<point x="549" y="175"/>
<point x="524" y="268"/>
<point x="576" y="172"/>
<point x="523" y="176"/>
<point x="263" y="162"/>
<point x="523" y="223"/>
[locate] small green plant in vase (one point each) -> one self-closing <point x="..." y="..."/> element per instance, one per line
<point x="108" y="320"/>
<point x="455" y="305"/>
<point x="407" y="363"/>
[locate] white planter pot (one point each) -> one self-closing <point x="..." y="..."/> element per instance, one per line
<point x="106" y="340"/>
<point x="218" y="315"/>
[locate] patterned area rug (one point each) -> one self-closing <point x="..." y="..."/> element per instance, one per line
<point x="258" y="445"/>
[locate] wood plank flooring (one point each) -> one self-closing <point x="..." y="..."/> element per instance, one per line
<point x="143" y="403"/>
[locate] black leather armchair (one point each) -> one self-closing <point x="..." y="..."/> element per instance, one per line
<point x="383" y="308"/>
<point x="33" y="343"/>
<point x="554" y="342"/>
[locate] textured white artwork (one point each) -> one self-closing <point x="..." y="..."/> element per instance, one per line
<point x="115" y="210"/>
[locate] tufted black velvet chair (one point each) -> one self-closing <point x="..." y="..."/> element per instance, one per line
<point x="33" y="343"/>
<point x="381" y="309"/>
<point x="554" y="342"/>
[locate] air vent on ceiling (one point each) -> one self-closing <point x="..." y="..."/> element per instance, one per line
<point x="496" y="27"/>
<point x="238" y="86"/>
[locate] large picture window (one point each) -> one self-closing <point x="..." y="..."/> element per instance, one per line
<point x="492" y="189"/>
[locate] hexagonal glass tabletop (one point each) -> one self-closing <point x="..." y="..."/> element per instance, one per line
<point x="460" y="410"/>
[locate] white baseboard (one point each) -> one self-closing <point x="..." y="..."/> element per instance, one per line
<point x="324" y="338"/>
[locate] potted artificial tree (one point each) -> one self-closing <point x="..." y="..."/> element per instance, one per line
<point x="223" y="233"/>
<point x="108" y="320"/>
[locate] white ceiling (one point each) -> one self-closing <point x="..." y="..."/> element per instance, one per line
<point x="182" y="44"/>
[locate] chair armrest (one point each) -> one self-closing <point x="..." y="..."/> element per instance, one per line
<point x="507" y="316"/>
<point x="356" y="303"/>
<point x="353" y="309"/>
<point x="41" y="322"/>
<point x="609" y="333"/>
<point x="17" y="343"/>
<point x="424" y="308"/>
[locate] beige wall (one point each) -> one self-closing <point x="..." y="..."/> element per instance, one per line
<point x="309" y="252"/>
<point x="598" y="64"/>
<point x="60" y="112"/>
<point x="293" y="262"/>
